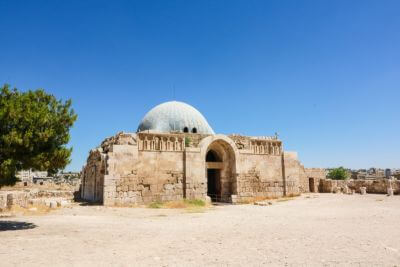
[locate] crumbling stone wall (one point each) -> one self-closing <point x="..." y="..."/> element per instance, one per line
<point x="268" y="175"/>
<point x="259" y="176"/>
<point x="144" y="167"/>
<point x="294" y="173"/>
<point x="316" y="174"/>
<point x="27" y="197"/>
<point x="93" y="176"/>
<point x="377" y="186"/>
<point x="195" y="181"/>
<point x="3" y="200"/>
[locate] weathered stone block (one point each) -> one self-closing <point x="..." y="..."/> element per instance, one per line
<point x="363" y="190"/>
<point x="390" y="191"/>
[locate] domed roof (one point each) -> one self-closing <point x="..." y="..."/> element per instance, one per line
<point x="175" y="116"/>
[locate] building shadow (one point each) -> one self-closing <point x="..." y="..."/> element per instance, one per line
<point x="86" y="203"/>
<point x="221" y="204"/>
<point x="14" y="225"/>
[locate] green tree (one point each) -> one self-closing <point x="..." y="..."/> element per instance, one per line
<point x="34" y="131"/>
<point x="338" y="174"/>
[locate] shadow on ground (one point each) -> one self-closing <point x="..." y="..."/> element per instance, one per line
<point x="14" y="225"/>
<point x="85" y="203"/>
<point x="221" y="204"/>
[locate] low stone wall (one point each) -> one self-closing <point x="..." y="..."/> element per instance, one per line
<point x="11" y="198"/>
<point x="378" y="186"/>
<point x="27" y="197"/>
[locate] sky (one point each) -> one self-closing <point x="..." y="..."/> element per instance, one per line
<point x="323" y="74"/>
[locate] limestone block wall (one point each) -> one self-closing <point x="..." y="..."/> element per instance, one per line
<point x="3" y="200"/>
<point x="121" y="174"/>
<point x="194" y="174"/>
<point x="294" y="173"/>
<point x="132" y="168"/>
<point x="162" y="174"/>
<point x="316" y="174"/>
<point x="148" y="168"/>
<point x="259" y="176"/>
<point x="377" y="186"/>
<point x="93" y="176"/>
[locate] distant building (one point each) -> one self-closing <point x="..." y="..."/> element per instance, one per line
<point x="28" y="175"/>
<point x="68" y="175"/>
<point x="388" y="173"/>
<point x="40" y="180"/>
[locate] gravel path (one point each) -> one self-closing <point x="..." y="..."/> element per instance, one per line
<point x="312" y="230"/>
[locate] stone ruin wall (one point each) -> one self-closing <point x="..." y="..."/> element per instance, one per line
<point x="294" y="173"/>
<point x="259" y="176"/>
<point x="148" y="168"/>
<point x="260" y="168"/>
<point x="317" y="174"/>
<point x="377" y="186"/>
<point x="195" y="174"/>
<point x="145" y="167"/>
<point x="141" y="168"/>
<point x="33" y="196"/>
<point x="93" y="176"/>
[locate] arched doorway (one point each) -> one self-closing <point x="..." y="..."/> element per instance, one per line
<point x="220" y="170"/>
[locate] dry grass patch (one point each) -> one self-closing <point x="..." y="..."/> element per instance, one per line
<point x="193" y="205"/>
<point x="284" y="199"/>
<point x="253" y="200"/>
<point x="31" y="210"/>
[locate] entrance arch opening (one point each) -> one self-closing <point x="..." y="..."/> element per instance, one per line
<point x="212" y="156"/>
<point x="220" y="170"/>
<point x="213" y="176"/>
<point x="311" y="185"/>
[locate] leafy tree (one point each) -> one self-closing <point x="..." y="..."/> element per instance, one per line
<point x="34" y="129"/>
<point x="338" y="174"/>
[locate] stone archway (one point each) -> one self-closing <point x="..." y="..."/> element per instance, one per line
<point x="220" y="167"/>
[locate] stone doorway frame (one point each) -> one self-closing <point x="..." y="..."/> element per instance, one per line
<point x="229" y="154"/>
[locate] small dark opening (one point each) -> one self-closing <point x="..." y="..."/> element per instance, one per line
<point x="212" y="157"/>
<point x="186" y="130"/>
<point x="41" y="183"/>
<point x="194" y="130"/>
<point x="25" y="183"/>
<point x="311" y="185"/>
<point x="213" y="184"/>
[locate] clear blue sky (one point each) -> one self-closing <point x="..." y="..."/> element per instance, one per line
<point x="324" y="74"/>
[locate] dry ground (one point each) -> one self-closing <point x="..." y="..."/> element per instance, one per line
<point x="319" y="229"/>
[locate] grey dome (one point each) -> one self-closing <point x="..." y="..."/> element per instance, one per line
<point x="174" y="116"/>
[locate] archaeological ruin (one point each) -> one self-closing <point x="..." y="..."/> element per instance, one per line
<point x="176" y="155"/>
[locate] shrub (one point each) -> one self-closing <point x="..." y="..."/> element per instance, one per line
<point x="196" y="202"/>
<point x="338" y="174"/>
<point x="187" y="141"/>
<point x="155" y="205"/>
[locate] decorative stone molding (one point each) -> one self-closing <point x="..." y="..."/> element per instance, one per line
<point x="263" y="145"/>
<point x="161" y="142"/>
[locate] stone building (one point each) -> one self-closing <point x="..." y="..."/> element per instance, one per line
<point x="29" y="175"/>
<point x="175" y="154"/>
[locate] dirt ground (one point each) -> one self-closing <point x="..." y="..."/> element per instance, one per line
<point x="312" y="230"/>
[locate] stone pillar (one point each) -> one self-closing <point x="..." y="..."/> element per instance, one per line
<point x="347" y="190"/>
<point x="390" y="191"/>
<point x="363" y="190"/>
<point x="10" y="200"/>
